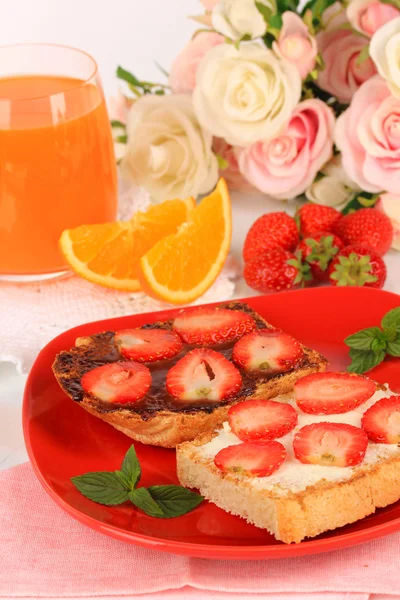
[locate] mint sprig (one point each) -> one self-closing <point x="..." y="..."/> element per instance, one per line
<point x="116" y="487"/>
<point x="369" y="347"/>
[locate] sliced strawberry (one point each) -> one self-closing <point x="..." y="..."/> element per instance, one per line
<point x="120" y="382"/>
<point x="203" y="374"/>
<point x="330" y="444"/>
<point x="207" y="326"/>
<point x="261" y="420"/>
<point x="267" y="351"/>
<point x="332" y="393"/>
<point x="381" y="422"/>
<point x="148" y="345"/>
<point x="257" y="460"/>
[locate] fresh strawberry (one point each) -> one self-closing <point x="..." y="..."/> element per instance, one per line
<point x="366" y="226"/>
<point x="148" y="345"/>
<point x="313" y="218"/>
<point x="330" y="444"/>
<point x="203" y="374"/>
<point x="381" y="422"/>
<point x="274" y="230"/>
<point x="252" y="460"/>
<point x="332" y="393"/>
<point x="358" y="265"/>
<point x="261" y="420"/>
<point x="208" y="326"/>
<point x="318" y="250"/>
<point x="276" y="270"/>
<point x="120" y="382"/>
<point x="267" y="351"/>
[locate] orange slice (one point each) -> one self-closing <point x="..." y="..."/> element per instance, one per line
<point x="182" y="266"/>
<point x="109" y="253"/>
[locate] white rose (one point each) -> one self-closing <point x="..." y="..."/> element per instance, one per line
<point x="384" y="50"/>
<point x="335" y="188"/>
<point x="236" y="19"/>
<point x="245" y="95"/>
<point x="168" y="153"/>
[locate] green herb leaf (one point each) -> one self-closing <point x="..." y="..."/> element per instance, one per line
<point x="102" y="487"/>
<point x="393" y="348"/>
<point x="378" y="345"/>
<point x="390" y="332"/>
<point x="174" y="499"/>
<point x="128" y="77"/>
<point x="364" y="360"/>
<point x="131" y="468"/>
<point x="363" y="339"/>
<point x="392" y="318"/>
<point x="143" y="500"/>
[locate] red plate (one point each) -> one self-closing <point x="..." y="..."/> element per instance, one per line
<point x="63" y="440"/>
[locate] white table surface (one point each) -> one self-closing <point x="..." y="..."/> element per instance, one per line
<point x="246" y="208"/>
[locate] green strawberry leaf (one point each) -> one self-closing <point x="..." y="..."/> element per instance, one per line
<point x="392" y="318"/>
<point x="143" y="500"/>
<point x="363" y="339"/>
<point x="174" y="499"/>
<point x="131" y="468"/>
<point x="102" y="487"/>
<point x="364" y="360"/>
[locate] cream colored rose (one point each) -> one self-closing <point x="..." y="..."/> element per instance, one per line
<point x="334" y="188"/>
<point x="168" y="153"/>
<point x="236" y="19"/>
<point x="384" y="50"/>
<point x="245" y="95"/>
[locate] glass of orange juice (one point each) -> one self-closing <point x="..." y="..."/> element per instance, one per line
<point x="57" y="165"/>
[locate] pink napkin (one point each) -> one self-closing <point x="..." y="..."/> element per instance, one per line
<point x="44" y="553"/>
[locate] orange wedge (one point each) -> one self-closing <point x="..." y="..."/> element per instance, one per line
<point x="109" y="253"/>
<point x="182" y="266"/>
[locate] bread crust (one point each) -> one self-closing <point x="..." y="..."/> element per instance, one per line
<point x="165" y="427"/>
<point x="292" y="517"/>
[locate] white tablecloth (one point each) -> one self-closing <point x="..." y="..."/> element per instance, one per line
<point x="246" y="208"/>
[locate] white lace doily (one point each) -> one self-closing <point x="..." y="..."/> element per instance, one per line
<point x="31" y="314"/>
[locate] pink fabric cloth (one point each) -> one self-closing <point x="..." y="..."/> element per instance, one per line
<point x="46" y="554"/>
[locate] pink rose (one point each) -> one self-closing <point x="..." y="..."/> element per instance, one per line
<point x="118" y="107"/>
<point x="296" y="44"/>
<point x="367" y="16"/>
<point x="209" y="4"/>
<point x="231" y="172"/>
<point x="340" y="49"/>
<point x="389" y="204"/>
<point x="368" y="134"/>
<point x="286" y="165"/>
<point x="182" y="78"/>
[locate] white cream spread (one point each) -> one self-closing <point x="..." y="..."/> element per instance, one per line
<point x="293" y="475"/>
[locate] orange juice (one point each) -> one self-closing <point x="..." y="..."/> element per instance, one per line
<point x="57" y="168"/>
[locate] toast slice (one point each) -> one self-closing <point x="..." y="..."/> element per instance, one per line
<point x="159" y="422"/>
<point x="298" y="500"/>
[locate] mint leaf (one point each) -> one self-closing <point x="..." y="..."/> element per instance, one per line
<point x="390" y="332"/>
<point x="174" y="499"/>
<point x="364" y="360"/>
<point x="102" y="487"/>
<point x="378" y="345"/>
<point x="393" y="348"/>
<point x="363" y="339"/>
<point x="128" y="77"/>
<point x="131" y="468"/>
<point x="143" y="500"/>
<point x="392" y="318"/>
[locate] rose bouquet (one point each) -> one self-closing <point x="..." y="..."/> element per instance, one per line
<point x="285" y="100"/>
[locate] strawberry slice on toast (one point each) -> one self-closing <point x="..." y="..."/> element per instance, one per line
<point x="330" y="444"/>
<point x="261" y="420"/>
<point x="206" y="326"/>
<point x="253" y="460"/>
<point x="120" y="382"/>
<point x="267" y="351"/>
<point x="381" y="421"/>
<point x="203" y="374"/>
<point x="148" y="345"/>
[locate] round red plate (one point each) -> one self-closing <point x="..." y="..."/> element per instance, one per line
<point x="63" y="440"/>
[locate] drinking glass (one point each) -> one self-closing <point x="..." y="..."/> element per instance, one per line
<point x="57" y="165"/>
